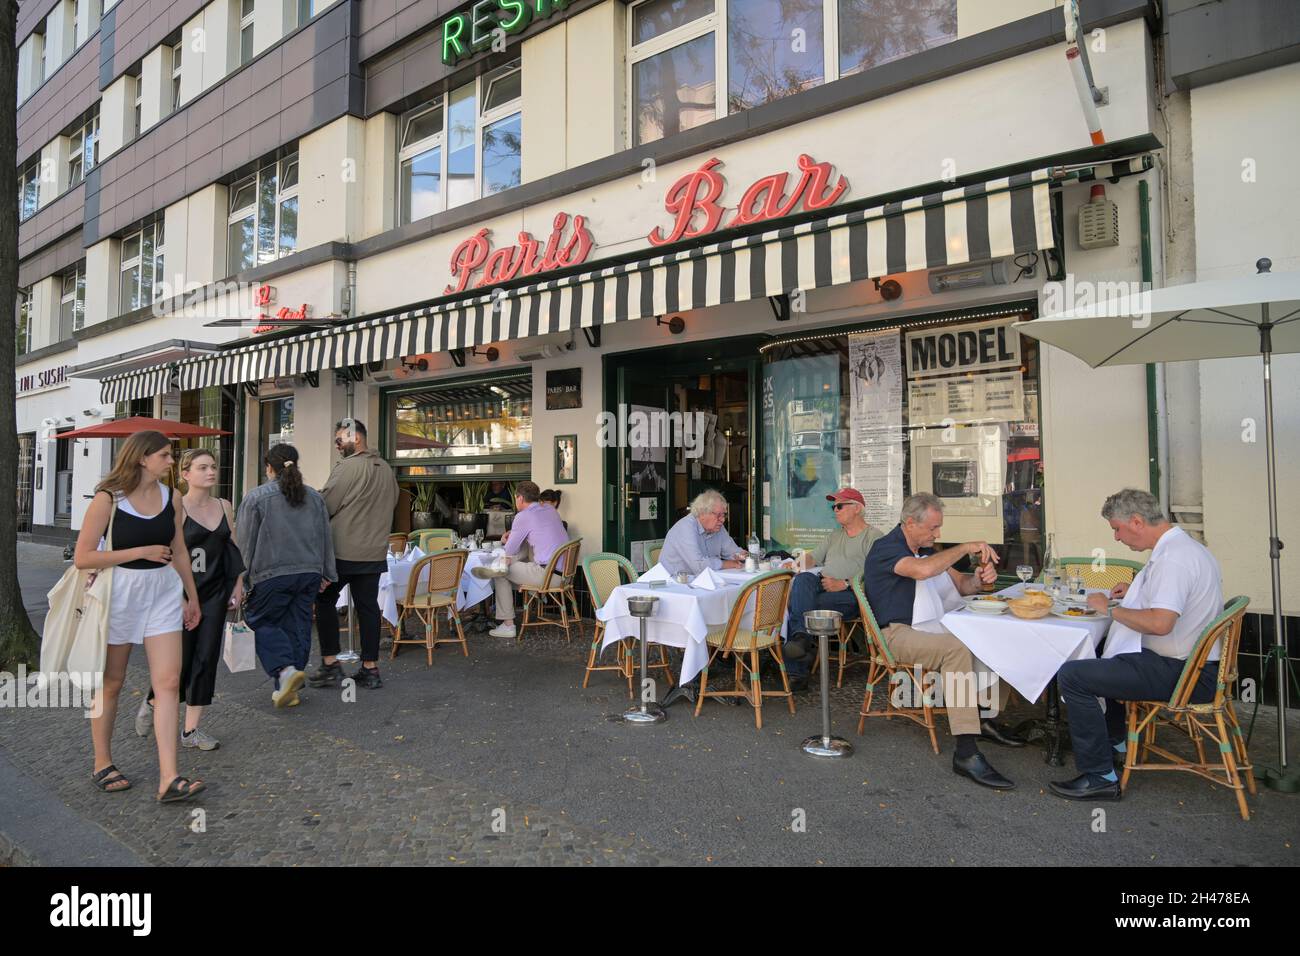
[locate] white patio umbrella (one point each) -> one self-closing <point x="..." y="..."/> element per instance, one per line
<point x="1221" y="318"/>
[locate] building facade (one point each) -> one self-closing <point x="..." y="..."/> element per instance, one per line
<point x="633" y="250"/>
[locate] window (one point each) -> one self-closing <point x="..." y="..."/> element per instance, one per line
<point x="263" y="224"/>
<point x="245" y="31"/>
<point x="23" y="323"/>
<point x="83" y="149"/>
<point x="137" y="86"/>
<point x="683" y="52"/>
<point x="142" y="267"/>
<point x="176" y="76"/>
<point x="470" y="140"/>
<point x="306" y="10"/>
<point x="467" y="427"/>
<point x="29" y="190"/>
<point x="72" y="304"/>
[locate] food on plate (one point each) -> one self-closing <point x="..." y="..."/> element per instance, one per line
<point x="1032" y="605"/>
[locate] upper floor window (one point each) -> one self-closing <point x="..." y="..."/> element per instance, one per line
<point x="83" y="150"/>
<point x="470" y="140"/>
<point x="245" y="31"/>
<point x="23" y="323"/>
<point x="142" y="266"/>
<point x="682" y="53"/>
<point x="29" y="190"/>
<point x="72" y="302"/>
<point x="263" y="224"/>
<point x="306" y="10"/>
<point x="176" y="76"/>
<point x="137" y="93"/>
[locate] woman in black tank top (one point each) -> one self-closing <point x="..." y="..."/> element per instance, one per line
<point x="217" y="565"/>
<point x="148" y="546"/>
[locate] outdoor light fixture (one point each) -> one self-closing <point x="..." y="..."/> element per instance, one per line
<point x="92" y="412"/>
<point x="889" y="289"/>
<point x="419" y="365"/>
<point x="676" y="325"/>
<point x="968" y="277"/>
<point x="491" y="353"/>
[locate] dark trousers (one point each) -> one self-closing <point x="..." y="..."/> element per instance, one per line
<point x="279" y="612"/>
<point x="806" y="594"/>
<point x="201" y="650"/>
<point x="364" y="581"/>
<point x="1142" y="676"/>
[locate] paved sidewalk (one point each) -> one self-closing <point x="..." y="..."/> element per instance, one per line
<point x="503" y="758"/>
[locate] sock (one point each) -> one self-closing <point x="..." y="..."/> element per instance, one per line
<point x="1121" y="747"/>
<point x="966" y="745"/>
<point x="1110" y="776"/>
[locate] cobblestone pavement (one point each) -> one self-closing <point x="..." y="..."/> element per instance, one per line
<point x="419" y="772"/>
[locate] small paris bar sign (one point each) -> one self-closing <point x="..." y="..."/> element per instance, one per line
<point x="563" y="388"/>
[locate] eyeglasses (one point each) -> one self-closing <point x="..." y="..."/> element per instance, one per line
<point x="843" y="504"/>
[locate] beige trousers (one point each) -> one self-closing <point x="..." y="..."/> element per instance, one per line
<point x="966" y="681"/>
<point x="521" y="572"/>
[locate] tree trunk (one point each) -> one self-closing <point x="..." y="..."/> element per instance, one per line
<point x="18" y="641"/>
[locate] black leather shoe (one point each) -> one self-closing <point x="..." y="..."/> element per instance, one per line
<point x="796" y="648"/>
<point x="327" y="675"/>
<point x="798" y="685"/>
<point x="978" y="768"/>
<point x="990" y="730"/>
<point x="1086" y="786"/>
<point x="368" y="678"/>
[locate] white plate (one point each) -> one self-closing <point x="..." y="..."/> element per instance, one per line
<point x="991" y="612"/>
<point x="1076" y="617"/>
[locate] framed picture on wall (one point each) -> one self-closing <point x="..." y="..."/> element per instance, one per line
<point x="566" y="459"/>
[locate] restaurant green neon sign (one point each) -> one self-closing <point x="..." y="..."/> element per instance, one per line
<point x="472" y="30"/>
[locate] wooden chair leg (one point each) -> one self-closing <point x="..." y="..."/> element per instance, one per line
<point x="1239" y="745"/>
<point x="1230" y="766"/>
<point x="401" y="625"/>
<point x="460" y="632"/>
<point x="704" y="685"/>
<point x="1131" y="744"/>
<point x="785" y="680"/>
<point x="756" y="687"/>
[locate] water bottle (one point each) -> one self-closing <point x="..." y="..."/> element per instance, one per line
<point x="755" y="548"/>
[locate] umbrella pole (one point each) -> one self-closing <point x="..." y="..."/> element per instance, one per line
<point x="1279" y="778"/>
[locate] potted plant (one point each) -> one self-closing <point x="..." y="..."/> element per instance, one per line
<point x="422" y="498"/>
<point x="474" y="495"/>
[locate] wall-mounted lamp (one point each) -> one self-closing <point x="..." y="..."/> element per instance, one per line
<point x="676" y="325"/>
<point x="889" y="289"/>
<point x="491" y="353"/>
<point x="419" y="365"/>
<point x="92" y="412"/>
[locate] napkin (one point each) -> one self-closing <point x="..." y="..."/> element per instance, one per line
<point x="657" y="573"/>
<point x="709" y="580"/>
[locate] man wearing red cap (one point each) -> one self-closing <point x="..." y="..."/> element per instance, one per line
<point x="841" y="558"/>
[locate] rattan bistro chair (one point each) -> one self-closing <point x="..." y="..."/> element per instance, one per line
<point x="557" y="588"/>
<point x="771" y="593"/>
<point x="1100" y="572"/>
<point x="604" y="572"/>
<point x="1215" y="719"/>
<point x="430" y="540"/>
<point x="432" y="587"/>
<point x="397" y="543"/>
<point x="652" y="556"/>
<point x="884" y="665"/>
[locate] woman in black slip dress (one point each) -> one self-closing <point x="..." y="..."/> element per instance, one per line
<point x="210" y="540"/>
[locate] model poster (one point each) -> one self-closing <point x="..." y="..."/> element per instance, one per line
<point x="966" y="399"/>
<point x="876" y="422"/>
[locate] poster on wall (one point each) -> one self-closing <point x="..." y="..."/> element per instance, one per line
<point x="966" y="399"/>
<point x="801" y="402"/>
<point x="647" y="459"/>
<point x="876" y="423"/>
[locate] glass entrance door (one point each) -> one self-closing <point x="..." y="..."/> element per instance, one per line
<point x="26" y="474"/>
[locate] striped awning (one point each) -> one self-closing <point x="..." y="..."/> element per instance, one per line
<point x="975" y="223"/>
<point x="136" y="384"/>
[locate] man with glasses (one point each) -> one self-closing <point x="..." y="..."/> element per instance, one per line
<point x="360" y="495"/>
<point x="700" y="539"/>
<point x="841" y="557"/>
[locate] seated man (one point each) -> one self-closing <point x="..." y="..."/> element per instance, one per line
<point x="1170" y="602"/>
<point x="841" y="557"/>
<point x="910" y="587"/>
<point x="700" y="539"/>
<point x="537" y="527"/>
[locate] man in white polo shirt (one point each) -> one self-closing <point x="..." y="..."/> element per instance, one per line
<point x="1152" y="633"/>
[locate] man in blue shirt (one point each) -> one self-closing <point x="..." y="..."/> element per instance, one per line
<point x="909" y="587"/>
<point x="700" y="539"/>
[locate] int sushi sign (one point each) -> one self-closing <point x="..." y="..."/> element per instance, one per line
<point x="471" y="31"/>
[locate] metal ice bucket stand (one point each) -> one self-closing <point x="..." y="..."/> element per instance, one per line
<point x="824" y="624"/>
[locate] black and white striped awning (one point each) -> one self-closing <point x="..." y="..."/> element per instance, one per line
<point x="976" y="223"/>
<point x="137" y="384"/>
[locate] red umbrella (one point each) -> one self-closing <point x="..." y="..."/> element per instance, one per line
<point x="125" y="427"/>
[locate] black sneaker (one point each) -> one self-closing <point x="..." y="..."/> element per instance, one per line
<point x="327" y="675"/>
<point x="368" y="677"/>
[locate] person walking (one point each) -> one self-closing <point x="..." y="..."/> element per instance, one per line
<point x="284" y="537"/>
<point x="153" y="597"/>
<point x="216" y="563"/>
<point x="360" y="496"/>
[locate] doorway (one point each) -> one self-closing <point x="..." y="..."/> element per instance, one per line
<point x="681" y="433"/>
<point x="26" y="476"/>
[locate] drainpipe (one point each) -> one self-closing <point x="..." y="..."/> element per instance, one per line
<point x="348" y="309"/>
<point x="1157" y="407"/>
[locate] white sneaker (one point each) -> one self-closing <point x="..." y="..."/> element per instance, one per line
<point x="505" y="629"/>
<point x="291" y="680"/>
<point x="201" y="740"/>
<point x="144" y="719"/>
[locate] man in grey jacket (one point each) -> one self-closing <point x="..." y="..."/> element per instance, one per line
<point x="360" y="496"/>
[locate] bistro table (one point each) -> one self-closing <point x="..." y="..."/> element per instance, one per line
<point x="394" y="582"/>
<point x="1027" y="655"/>
<point x="682" y="617"/>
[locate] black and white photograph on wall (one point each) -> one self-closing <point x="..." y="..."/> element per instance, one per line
<point x="566" y="459"/>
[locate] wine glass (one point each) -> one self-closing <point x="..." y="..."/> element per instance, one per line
<point x="1024" y="572"/>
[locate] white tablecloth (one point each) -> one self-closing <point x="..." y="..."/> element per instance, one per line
<point x="393" y="584"/>
<point x="682" y="617"/>
<point x="1027" y="654"/>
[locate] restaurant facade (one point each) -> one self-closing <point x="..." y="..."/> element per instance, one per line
<point x="631" y="251"/>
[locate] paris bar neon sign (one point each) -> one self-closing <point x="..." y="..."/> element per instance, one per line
<point x="470" y="32"/>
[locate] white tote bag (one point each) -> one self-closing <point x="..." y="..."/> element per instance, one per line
<point x="74" y="639"/>
<point x="239" y="650"/>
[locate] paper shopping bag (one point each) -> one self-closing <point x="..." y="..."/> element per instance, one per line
<point x="238" y="650"/>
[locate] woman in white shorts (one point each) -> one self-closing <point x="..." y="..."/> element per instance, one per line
<point x="152" y="598"/>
